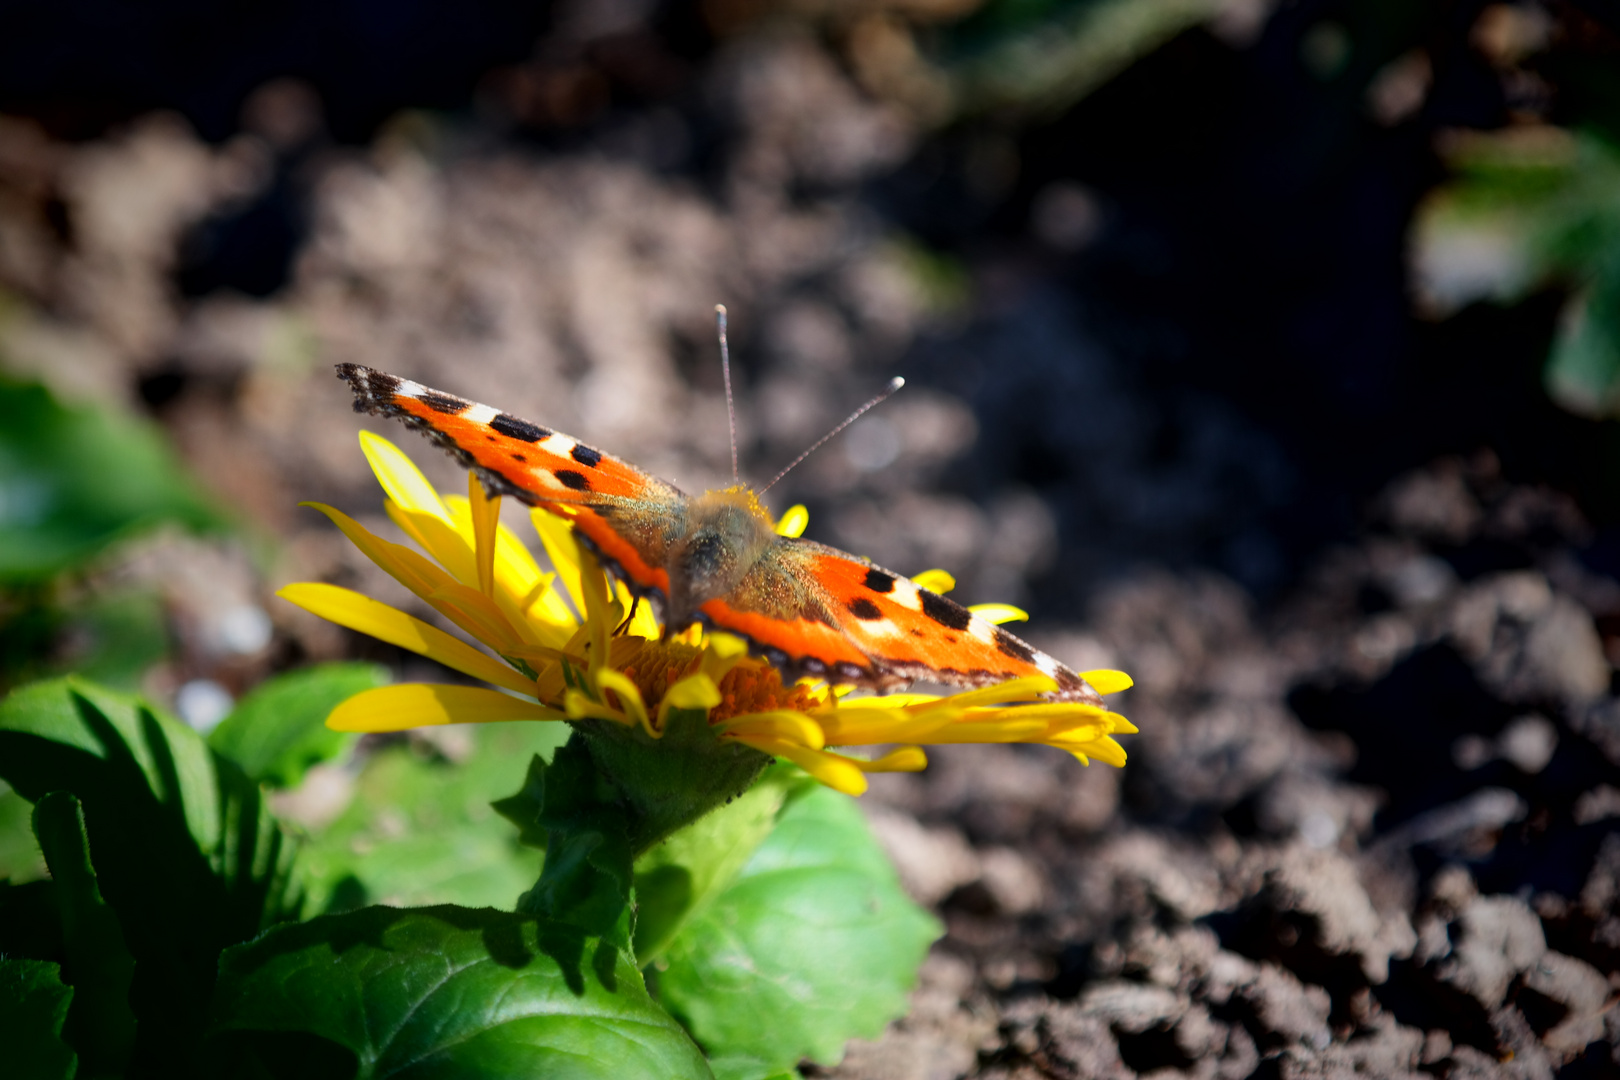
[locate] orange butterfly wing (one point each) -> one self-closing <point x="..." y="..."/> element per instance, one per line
<point x="818" y="611"/>
<point x="808" y="608"/>
<point x="623" y="512"/>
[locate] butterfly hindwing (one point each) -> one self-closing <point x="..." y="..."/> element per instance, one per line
<point x="820" y="611"/>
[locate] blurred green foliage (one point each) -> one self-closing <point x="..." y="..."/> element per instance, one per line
<point x="1047" y="54"/>
<point x="279" y="730"/>
<point x="1529" y="209"/>
<point x="74" y="479"/>
<point x="420" y="828"/>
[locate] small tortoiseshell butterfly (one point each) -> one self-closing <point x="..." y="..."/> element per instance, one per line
<point x="716" y="558"/>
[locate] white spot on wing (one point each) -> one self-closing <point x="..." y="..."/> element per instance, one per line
<point x="1047" y="665"/>
<point x="480" y="414"/>
<point x="983" y="630"/>
<point x="906" y="595"/>
<point x="558" y="444"/>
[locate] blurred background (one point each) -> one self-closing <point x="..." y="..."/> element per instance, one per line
<point x="1269" y="350"/>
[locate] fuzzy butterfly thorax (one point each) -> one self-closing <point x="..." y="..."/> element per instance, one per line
<point x="715" y="558"/>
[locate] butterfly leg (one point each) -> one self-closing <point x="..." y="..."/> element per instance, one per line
<point x="634" y="601"/>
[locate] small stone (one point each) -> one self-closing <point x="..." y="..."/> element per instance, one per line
<point x="1132" y="1007"/>
<point x="1528" y="742"/>
<point x="1497" y="939"/>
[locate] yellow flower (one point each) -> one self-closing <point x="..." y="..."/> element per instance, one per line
<point x="598" y="655"/>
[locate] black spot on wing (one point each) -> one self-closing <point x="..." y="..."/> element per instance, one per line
<point x="862" y="608"/>
<point x="945" y="612"/>
<point x="1008" y="645"/>
<point x="878" y="581"/>
<point x="514" y="428"/>
<point x="1067" y="680"/>
<point x="571" y="479"/>
<point x="585" y="455"/>
<point x="444" y="403"/>
<point x="519" y="458"/>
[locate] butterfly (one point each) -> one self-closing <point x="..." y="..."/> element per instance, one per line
<point x="716" y="558"/>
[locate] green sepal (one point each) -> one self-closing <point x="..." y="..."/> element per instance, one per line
<point x="586" y="879"/>
<point x="97" y="963"/>
<point x="34" y="1007"/>
<point x="671" y="781"/>
<point x="445" y="992"/>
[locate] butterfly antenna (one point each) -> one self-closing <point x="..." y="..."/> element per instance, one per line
<point x="725" y="370"/>
<point x="894" y="384"/>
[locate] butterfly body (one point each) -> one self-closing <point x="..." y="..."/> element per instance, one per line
<point x="716" y="558"/>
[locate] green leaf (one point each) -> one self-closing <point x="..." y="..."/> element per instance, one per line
<point x="420" y="830"/>
<point x="33" y="1008"/>
<point x="186" y="852"/>
<point x="813" y="944"/>
<point x="20" y="859"/>
<point x="678" y="879"/>
<point x="442" y="992"/>
<point x="97" y="964"/>
<point x="279" y="729"/>
<point x="73" y="480"/>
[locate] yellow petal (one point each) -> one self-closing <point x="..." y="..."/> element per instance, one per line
<point x="562" y="549"/>
<point x="934" y="581"/>
<point x="439" y="538"/>
<point x="891" y="701"/>
<point x="644" y="622"/>
<point x="999" y="613"/>
<point x="629" y="698"/>
<point x="1029" y="688"/>
<point x="696" y="691"/>
<point x="1122" y="726"/>
<point x="521" y="587"/>
<point x="780" y="724"/>
<point x="838" y="773"/>
<point x="721" y="653"/>
<point x="400" y="478"/>
<point x="900" y="759"/>
<point x="1108" y="682"/>
<point x="409" y="705"/>
<point x="1105" y="750"/>
<point x="854" y="726"/>
<point x="478" y="615"/>
<point x="580" y="707"/>
<point x="410" y="569"/>
<point x="348" y="608"/>
<point x="793" y="522"/>
<point x="486" y="517"/>
<point x="994" y="731"/>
